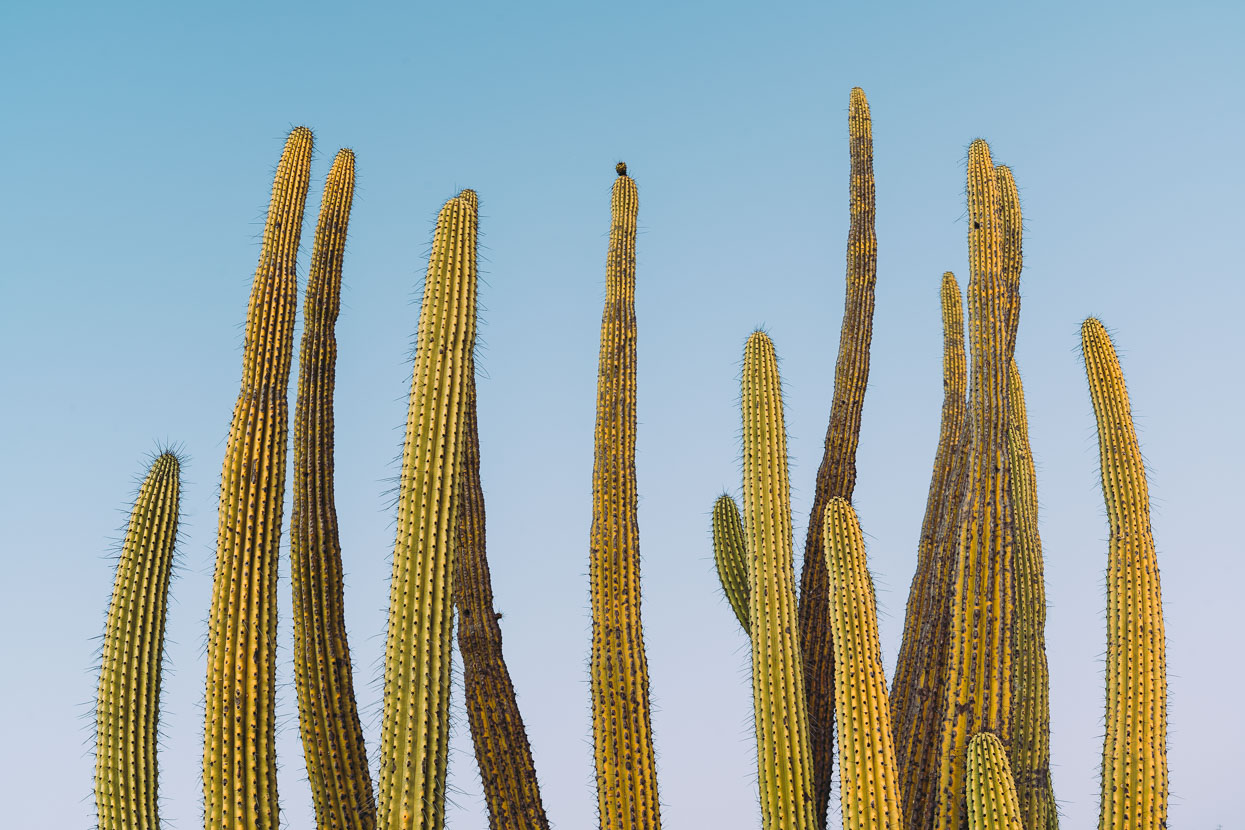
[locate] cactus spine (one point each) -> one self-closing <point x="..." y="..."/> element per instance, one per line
<point x="415" y="719"/>
<point x="239" y="754"/>
<point x="1134" y="754"/>
<point x="501" y="746"/>
<point x="991" y="791"/>
<point x="328" y="717"/>
<point x="621" y="727"/>
<point x="867" y="769"/>
<point x="784" y="754"/>
<point x="128" y="704"/>
<point x="731" y="556"/>
<point x="836" y="475"/>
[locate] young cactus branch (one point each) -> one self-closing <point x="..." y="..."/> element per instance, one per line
<point x="730" y="554"/>
<point x="991" y="790"/>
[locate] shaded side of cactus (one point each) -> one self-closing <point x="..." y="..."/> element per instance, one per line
<point x="328" y="717"/>
<point x="415" y="717"/>
<point x="991" y="790"/>
<point x="868" y="772"/>
<point x="979" y="681"/>
<point x="836" y="475"/>
<point x="239" y="751"/>
<point x="784" y="753"/>
<point x="127" y="708"/>
<point x="730" y="554"/>
<point x="626" y="773"/>
<point x="1134" y="753"/>
<point x="1030" y="750"/>
<point x="1010" y="248"/>
<point x="501" y="746"/>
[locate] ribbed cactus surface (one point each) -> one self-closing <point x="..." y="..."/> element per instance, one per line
<point x="127" y="708"/>
<point x="1134" y="754"/>
<point x="868" y="773"/>
<point x="836" y="476"/>
<point x="784" y="754"/>
<point x="415" y="718"/>
<point x="991" y="790"/>
<point x="328" y="717"/>
<point x="501" y="746"/>
<point x="239" y="753"/>
<point x="730" y="554"/>
<point x="622" y="731"/>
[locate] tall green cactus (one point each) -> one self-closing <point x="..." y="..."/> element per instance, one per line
<point x="127" y="708"/>
<point x="836" y="476"/>
<point x="730" y="554"/>
<point x="415" y="719"/>
<point x="328" y="717"/>
<point x="239" y="752"/>
<point x="784" y="754"/>
<point x="991" y="790"/>
<point x="1134" y="753"/>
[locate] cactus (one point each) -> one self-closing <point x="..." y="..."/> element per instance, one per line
<point x="128" y="704"/>
<point x="978" y="695"/>
<point x="239" y="754"/>
<point x="868" y="771"/>
<point x="916" y="697"/>
<point x="836" y="476"/>
<point x="415" y="717"/>
<point x="336" y="757"/>
<point x="622" y="731"/>
<point x="730" y="553"/>
<point x="1134" y="754"/>
<point x="502" y="750"/>
<point x="991" y="791"/>
<point x="784" y="754"/>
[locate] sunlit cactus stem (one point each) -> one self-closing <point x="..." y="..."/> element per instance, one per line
<point x="127" y="708"/>
<point x="991" y="790"/>
<point x="730" y="554"/>
<point x="239" y="750"/>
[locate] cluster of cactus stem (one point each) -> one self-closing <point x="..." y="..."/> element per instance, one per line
<point x="960" y="740"/>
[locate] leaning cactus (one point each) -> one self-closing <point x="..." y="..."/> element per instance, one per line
<point x="991" y="790"/>
<point x="127" y="707"/>
<point x="730" y="554"/>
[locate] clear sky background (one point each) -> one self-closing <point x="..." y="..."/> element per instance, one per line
<point x="140" y="139"/>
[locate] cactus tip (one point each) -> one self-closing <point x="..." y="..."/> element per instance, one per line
<point x="621" y="168"/>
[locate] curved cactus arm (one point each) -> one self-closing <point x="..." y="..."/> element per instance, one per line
<point x="991" y="791"/>
<point x="730" y="554"/>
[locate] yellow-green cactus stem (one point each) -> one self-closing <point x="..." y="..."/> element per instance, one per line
<point x="415" y="717"/>
<point x="239" y="751"/>
<point x="730" y="554"/>
<point x="1012" y="247"/>
<point x="622" y="731"/>
<point x="784" y="753"/>
<point x="921" y="669"/>
<point x="978" y="697"/>
<point x="836" y="476"/>
<point x="1134" y="751"/>
<point x="1030" y="750"/>
<point x="991" y="790"/>
<point x="127" y="708"/>
<point x="868" y="772"/>
<point x="328" y="717"/>
<point x="501" y="746"/>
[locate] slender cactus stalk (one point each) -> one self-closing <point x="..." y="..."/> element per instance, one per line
<point x="415" y="720"/>
<point x="127" y="710"/>
<point x="730" y="553"/>
<point x="992" y="802"/>
<point x="239" y="750"/>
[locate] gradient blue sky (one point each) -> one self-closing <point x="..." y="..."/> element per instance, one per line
<point x="140" y="139"/>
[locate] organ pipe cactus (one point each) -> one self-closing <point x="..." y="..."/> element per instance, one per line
<point x="239" y="753"/>
<point x="1134" y="755"/>
<point x="127" y="705"/>
<point x="415" y="718"/>
<point x="784" y="755"/>
<point x="991" y="790"/>
<point x="731" y="556"/>
<point x="328" y="717"/>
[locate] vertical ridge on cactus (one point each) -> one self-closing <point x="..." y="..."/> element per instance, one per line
<point x="415" y="717"/>
<point x="328" y="716"/>
<point x="626" y="773"/>
<point x="730" y="554"/>
<point x="502" y="750"/>
<point x="239" y="752"/>
<point x="784" y="752"/>
<point x="991" y="790"/>
<point x="868" y="773"/>
<point x="1134" y="752"/>
<point x="836" y="476"/>
<point x="127" y="709"/>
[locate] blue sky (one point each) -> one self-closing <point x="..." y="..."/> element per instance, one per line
<point x="140" y="143"/>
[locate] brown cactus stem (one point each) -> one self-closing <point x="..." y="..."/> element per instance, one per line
<point x="836" y="476"/>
